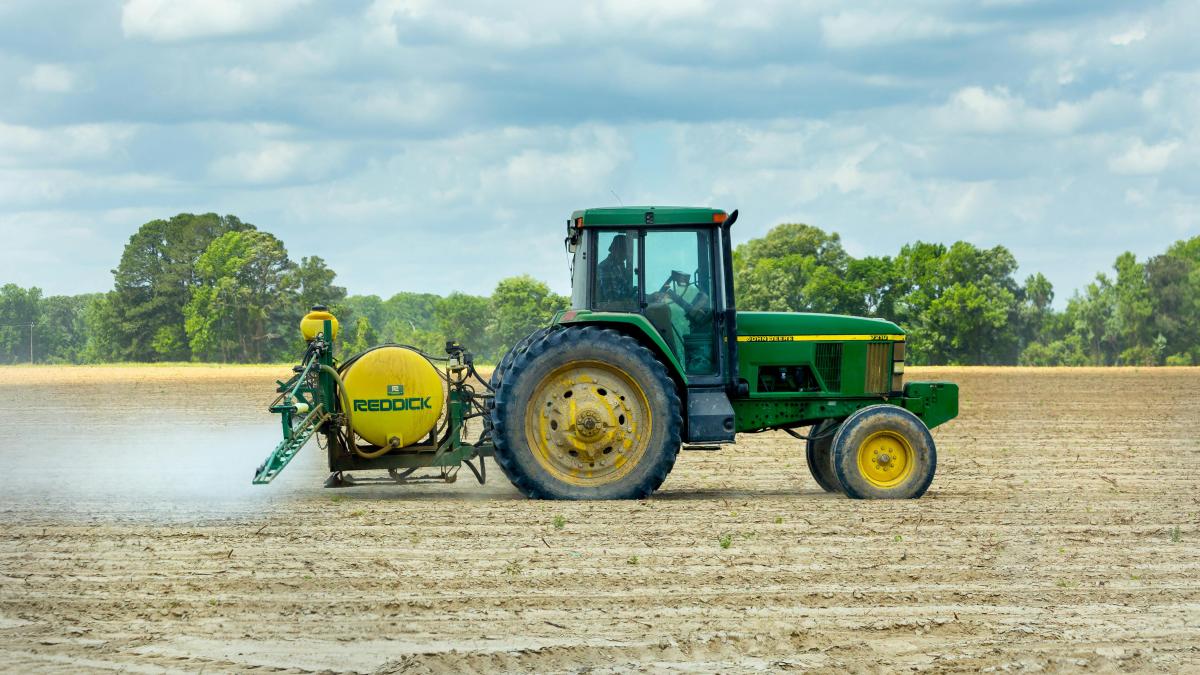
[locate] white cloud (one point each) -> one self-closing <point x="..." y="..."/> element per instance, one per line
<point x="274" y="162"/>
<point x="514" y="26"/>
<point x="408" y="103"/>
<point x="241" y="77"/>
<point x="24" y="145"/>
<point x="651" y="14"/>
<point x="43" y="187"/>
<point x="997" y="111"/>
<point x="49" y="78"/>
<point x="1128" y="37"/>
<point x="506" y="28"/>
<point x="1142" y="159"/>
<point x="172" y="20"/>
<point x="402" y="120"/>
<point x="584" y="159"/>
<point x="982" y="110"/>
<point x="857" y="28"/>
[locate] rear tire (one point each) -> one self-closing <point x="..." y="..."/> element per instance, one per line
<point x="820" y="457"/>
<point x="884" y="452"/>
<point x="586" y="413"/>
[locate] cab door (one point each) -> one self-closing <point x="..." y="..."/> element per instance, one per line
<point x="682" y="299"/>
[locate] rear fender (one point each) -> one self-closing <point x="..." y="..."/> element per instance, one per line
<point x="635" y="326"/>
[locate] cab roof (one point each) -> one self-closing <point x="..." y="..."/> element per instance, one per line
<point x="642" y="216"/>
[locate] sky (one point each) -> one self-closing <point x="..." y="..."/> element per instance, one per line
<point x="436" y="146"/>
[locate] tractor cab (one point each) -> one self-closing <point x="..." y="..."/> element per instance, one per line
<point x="668" y="265"/>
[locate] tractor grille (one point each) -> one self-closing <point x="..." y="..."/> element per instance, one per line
<point x="879" y="368"/>
<point x="829" y="364"/>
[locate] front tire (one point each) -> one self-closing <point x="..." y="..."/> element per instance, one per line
<point x="586" y="413"/>
<point x="884" y="452"/>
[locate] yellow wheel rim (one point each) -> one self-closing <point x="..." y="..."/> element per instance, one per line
<point x="588" y="423"/>
<point x="886" y="459"/>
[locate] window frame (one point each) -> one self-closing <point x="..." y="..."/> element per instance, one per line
<point x="717" y="298"/>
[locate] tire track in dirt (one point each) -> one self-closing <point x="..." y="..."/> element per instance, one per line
<point x="1061" y="533"/>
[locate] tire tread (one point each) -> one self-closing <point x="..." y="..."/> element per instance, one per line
<point x="505" y="439"/>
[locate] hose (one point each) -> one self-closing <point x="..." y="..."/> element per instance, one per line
<point x="341" y="387"/>
<point x="811" y="437"/>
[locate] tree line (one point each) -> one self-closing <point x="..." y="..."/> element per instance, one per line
<point x="962" y="304"/>
<point x="213" y="288"/>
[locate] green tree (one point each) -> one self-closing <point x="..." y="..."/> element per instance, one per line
<point x="1036" y="314"/>
<point x="872" y="287"/>
<point x="406" y="318"/>
<point x="1173" y="281"/>
<point x="104" y="335"/>
<point x="519" y="306"/>
<point x="369" y="307"/>
<point x="62" y="330"/>
<point x="1065" y="352"/>
<point x="795" y="267"/>
<point x="154" y="281"/>
<point x="410" y="319"/>
<point x="1092" y="316"/>
<point x="1133" y="311"/>
<point x="19" y="308"/>
<point x="363" y="338"/>
<point x="959" y="303"/>
<point x="428" y="340"/>
<point x="314" y="281"/>
<point x="409" y="313"/>
<point x="241" y="308"/>
<point x="465" y="318"/>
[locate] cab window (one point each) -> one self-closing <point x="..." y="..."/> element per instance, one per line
<point x="679" y="285"/>
<point x="616" y="273"/>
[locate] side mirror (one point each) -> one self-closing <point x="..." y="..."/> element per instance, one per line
<point x="571" y="242"/>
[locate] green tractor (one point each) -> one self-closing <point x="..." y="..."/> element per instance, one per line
<point x="653" y="356"/>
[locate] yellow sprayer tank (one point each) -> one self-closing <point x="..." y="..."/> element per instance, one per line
<point x="396" y="396"/>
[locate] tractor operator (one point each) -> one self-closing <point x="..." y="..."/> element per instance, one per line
<point x="614" y="290"/>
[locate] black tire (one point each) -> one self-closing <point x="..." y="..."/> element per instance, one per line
<point x="519" y="348"/>
<point x="893" y="443"/>
<point x="534" y="369"/>
<point x="820" y="459"/>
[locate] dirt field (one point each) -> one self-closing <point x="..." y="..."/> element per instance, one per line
<point x="1062" y="532"/>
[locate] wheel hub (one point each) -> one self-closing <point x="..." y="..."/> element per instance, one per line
<point x="886" y="459"/>
<point x="588" y="423"/>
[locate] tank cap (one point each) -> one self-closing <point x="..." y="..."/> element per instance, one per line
<point x="320" y="308"/>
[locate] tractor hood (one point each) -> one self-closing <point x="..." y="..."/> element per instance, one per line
<point x="799" y="323"/>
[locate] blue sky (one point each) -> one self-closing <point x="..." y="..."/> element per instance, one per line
<point x="435" y="146"/>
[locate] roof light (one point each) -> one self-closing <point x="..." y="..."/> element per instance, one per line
<point x="719" y="217"/>
<point x="579" y="223"/>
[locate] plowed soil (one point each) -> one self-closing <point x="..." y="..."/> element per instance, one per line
<point x="1062" y="532"/>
